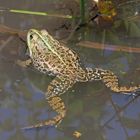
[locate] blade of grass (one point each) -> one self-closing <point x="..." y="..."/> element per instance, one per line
<point x="40" y="13"/>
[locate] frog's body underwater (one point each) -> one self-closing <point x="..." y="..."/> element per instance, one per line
<point x="50" y="57"/>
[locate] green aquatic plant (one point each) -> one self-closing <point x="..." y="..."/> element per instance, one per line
<point x="39" y="13"/>
<point x="19" y="11"/>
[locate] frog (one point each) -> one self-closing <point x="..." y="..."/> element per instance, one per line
<point x="49" y="56"/>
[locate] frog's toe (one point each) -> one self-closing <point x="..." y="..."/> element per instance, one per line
<point x="77" y="134"/>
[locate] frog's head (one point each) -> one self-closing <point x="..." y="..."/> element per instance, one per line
<point x="37" y="41"/>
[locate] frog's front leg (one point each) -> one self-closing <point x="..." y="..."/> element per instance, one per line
<point x="25" y="63"/>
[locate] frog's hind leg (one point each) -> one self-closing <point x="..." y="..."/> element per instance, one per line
<point x="58" y="105"/>
<point x="58" y="86"/>
<point x="110" y="80"/>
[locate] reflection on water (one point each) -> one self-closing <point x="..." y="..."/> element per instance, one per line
<point x="92" y="109"/>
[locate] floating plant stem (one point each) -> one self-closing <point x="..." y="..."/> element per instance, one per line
<point x="36" y="13"/>
<point x="39" y="13"/>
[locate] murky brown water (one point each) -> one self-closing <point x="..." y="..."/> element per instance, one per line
<point x="92" y="109"/>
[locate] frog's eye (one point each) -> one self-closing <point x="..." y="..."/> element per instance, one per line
<point x="31" y="37"/>
<point x="44" y="32"/>
<point x="34" y="37"/>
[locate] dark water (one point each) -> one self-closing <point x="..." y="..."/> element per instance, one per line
<point x="92" y="109"/>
